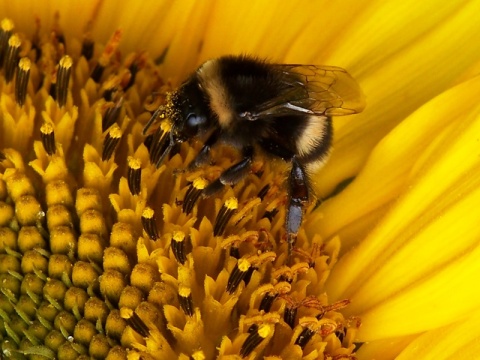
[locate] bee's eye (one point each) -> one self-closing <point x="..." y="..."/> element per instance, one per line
<point x="193" y="124"/>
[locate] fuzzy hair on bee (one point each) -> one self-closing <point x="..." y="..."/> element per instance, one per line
<point x="281" y="110"/>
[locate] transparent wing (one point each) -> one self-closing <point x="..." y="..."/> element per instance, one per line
<point x="315" y="90"/>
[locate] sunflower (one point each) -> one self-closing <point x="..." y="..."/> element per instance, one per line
<point x="104" y="255"/>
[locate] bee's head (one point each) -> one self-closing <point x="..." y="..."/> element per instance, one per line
<point x="190" y="111"/>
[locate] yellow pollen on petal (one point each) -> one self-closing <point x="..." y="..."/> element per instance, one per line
<point x="200" y="183"/>
<point x="264" y="331"/>
<point x="6" y="25"/>
<point x="231" y="203"/>
<point x="184" y="291"/>
<point x="148" y="212"/>
<point x="243" y="264"/>
<point x="178" y="236"/>
<point x="134" y="163"/>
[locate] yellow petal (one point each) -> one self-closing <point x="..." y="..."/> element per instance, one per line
<point x="436" y="300"/>
<point x="423" y="255"/>
<point x="387" y="171"/>
<point x="396" y="84"/>
<point x="455" y="341"/>
<point x="384" y="349"/>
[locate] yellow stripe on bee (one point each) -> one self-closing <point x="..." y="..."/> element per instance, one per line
<point x="312" y="135"/>
<point x="209" y="76"/>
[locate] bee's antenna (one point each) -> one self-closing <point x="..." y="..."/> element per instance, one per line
<point x="159" y="113"/>
<point x="172" y="143"/>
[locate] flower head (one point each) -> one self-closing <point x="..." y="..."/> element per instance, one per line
<point x="103" y="255"/>
<point x="108" y="252"/>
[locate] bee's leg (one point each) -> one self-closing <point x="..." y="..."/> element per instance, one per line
<point x="204" y="154"/>
<point x="297" y="189"/>
<point x="297" y="198"/>
<point x="233" y="174"/>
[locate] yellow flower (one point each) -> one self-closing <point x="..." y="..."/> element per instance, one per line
<point x="100" y="258"/>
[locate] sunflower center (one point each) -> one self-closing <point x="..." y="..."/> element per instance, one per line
<point x="104" y="255"/>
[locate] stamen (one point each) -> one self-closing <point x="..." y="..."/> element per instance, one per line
<point x="134" y="175"/>
<point x="185" y="299"/>
<point x="313" y="326"/>
<point x="290" y="315"/>
<point x="257" y="335"/>
<point x="224" y="215"/>
<point x="11" y="57"/>
<point x="63" y="78"/>
<point x="248" y="275"/>
<point x="53" y="87"/>
<point x="233" y="242"/>
<point x="109" y="93"/>
<point x="111" y="114"/>
<point x="285" y="278"/>
<point x="179" y="245"/>
<point x="6" y="30"/>
<point x="87" y="48"/>
<point x="270" y="214"/>
<point x="111" y="88"/>
<point x="310" y="256"/>
<point x="263" y="192"/>
<point x="237" y="275"/>
<point x="235" y="252"/>
<point x="246" y="209"/>
<point x="340" y="334"/>
<point x="47" y="135"/>
<point x="133" y="68"/>
<point x="97" y="72"/>
<point x="333" y="307"/>
<point x="193" y="193"/>
<point x="272" y="209"/>
<point x="286" y="273"/>
<point x="267" y="301"/>
<point x="111" y="141"/>
<point x="23" y="74"/>
<point x="304" y="337"/>
<point x="159" y="144"/>
<point x="61" y="39"/>
<point x="107" y="54"/>
<point x="134" y="321"/>
<point x="149" y="223"/>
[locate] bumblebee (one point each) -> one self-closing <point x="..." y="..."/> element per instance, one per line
<point x="281" y="110"/>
